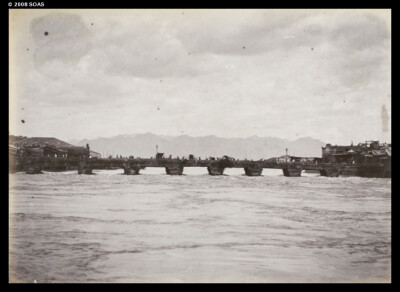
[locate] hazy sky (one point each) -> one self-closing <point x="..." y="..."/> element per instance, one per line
<point x="78" y="74"/>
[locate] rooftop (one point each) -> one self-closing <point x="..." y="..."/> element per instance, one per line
<point x="42" y="141"/>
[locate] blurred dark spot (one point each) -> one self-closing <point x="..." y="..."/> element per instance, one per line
<point x="244" y="48"/>
<point x="23" y="121"/>
<point x="91" y="23"/>
<point x="190" y="53"/>
<point x="155" y="59"/>
<point x="22" y="108"/>
<point x="160" y="80"/>
<point x="46" y="33"/>
<point x="27" y="49"/>
<point x="312" y="49"/>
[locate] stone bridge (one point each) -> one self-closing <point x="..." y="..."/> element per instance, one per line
<point x="176" y="166"/>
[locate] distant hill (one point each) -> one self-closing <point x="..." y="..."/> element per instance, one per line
<point x="12" y="139"/>
<point x="254" y="147"/>
<point x="41" y="141"/>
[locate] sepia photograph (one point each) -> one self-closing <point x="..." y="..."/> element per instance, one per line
<point x="199" y="145"/>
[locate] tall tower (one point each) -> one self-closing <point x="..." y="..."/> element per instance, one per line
<point x="87" y="150"/>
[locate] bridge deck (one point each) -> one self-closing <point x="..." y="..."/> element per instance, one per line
<point x="102" y="163"/>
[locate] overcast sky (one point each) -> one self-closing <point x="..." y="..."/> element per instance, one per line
<point x="78" y="74"/>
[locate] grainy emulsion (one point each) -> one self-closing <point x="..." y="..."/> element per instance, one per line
<point x="153" y="227"/>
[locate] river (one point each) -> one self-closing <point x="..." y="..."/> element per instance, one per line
<point x="112" y="228"/>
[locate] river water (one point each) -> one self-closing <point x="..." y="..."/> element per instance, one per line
<point x="153" y="227"/>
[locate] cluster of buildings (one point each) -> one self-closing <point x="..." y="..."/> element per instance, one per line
<point x="20" y="146"/>
<point x="368" y="153"/>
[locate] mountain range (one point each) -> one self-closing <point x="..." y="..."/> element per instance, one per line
<point x="254" y="147"/>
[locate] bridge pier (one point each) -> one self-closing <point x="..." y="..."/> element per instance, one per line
<point x="292" y="170"/>
<point x="253" y="170"/>
<point x="34" y="168"/>
<point x="84" y="168"/>
<point x="215" y="170"/>
<point x="330" y="171"/>
<point x="131" y="169"/>
<point x="174" y="169"/>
